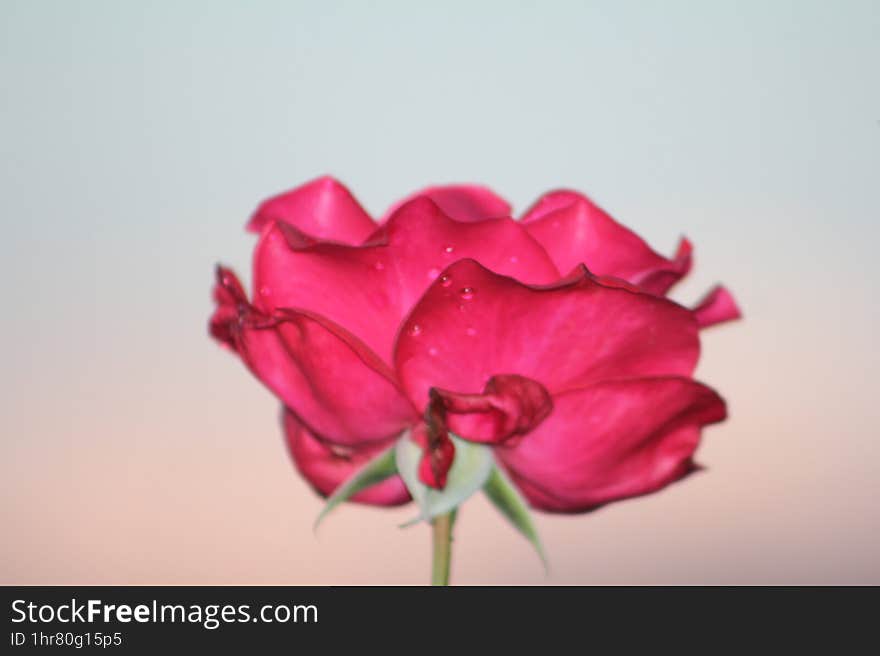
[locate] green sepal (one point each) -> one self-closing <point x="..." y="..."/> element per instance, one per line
<point x="375" y="471"/>
<point x="507" y="498"/>
<point x="470" y="470"/>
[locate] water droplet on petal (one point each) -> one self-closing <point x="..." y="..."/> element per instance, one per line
<point x="467" y="293"/>
<point x="445" y="280"/>
<point x="449" y="249"/>
<point x="341" y="452"/>
<point x="433" y="273"/>
<point x="415" y="330"/>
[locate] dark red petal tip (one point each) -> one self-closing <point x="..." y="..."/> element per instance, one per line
<point x="438" y="451"/>
<point x="231" y="302"/>
<point x="510" y="405"/>
<point x="435" y="464"/>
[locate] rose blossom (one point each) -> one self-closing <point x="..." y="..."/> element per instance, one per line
<point x="549" y="339"/>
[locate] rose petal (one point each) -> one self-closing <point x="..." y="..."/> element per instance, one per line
<point x="509" y="405"/>
<point x="462" y="202"/>
<point x="576" y="231"/>
<point x="612" y="440"/>
<point x="323" y="208"/>
<point x="475" y="324"/>
<point x="333" y="382"/>
<point x="438" y="452"/>
<point x="369" y="289"/>
<point x="660" y="280"/>
<point x="228" y="296"/>
<point x="327" y="467"/>
<point x="716" y="307"/>
<point x="328" y="377"/>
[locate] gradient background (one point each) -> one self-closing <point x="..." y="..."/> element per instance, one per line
<point x="137" y="137"/>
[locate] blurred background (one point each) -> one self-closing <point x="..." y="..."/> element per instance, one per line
<point x="137" y="137"/>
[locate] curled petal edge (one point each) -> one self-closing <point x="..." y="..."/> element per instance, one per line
<point x="716" y="307"/>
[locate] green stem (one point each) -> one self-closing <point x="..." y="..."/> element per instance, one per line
<point x="441" y="527"/>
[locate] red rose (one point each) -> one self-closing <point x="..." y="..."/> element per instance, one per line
<point x="549" y="339"/>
